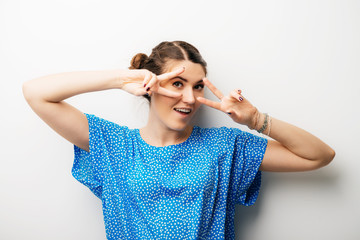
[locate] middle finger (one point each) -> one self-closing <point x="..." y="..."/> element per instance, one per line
<point x="168" y="93"/>
<point x="152" y="81"/>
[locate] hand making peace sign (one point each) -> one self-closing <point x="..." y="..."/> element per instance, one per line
<point x="235" y="105"/>
<point x="141" y="81"/>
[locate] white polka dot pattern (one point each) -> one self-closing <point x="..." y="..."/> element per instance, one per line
<point x="183" y="191"/>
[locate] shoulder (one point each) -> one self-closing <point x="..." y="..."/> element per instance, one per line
<point x="219" y="134"/>
<point x="100" y="124"/>
<point x="227" y="135"/>
<point x="109" y="134"/>
<point x="219" y="131"/>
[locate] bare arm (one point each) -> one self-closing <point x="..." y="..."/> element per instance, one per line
<point x="46" y="96"/>
<point x="294" y="149"/>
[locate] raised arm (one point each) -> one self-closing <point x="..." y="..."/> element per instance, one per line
<point x="294" y="149"/>
<point x="46" y="96"/>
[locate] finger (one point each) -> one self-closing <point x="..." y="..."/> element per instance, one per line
<point x="172" y="74"/>
<point x="147" y="78"/>
<point x="213" y="89"/>
<point x="209" y="103"/>
<point x="168" y="93"/>
<point x="152" y="81"/>
<point x="140" y="92"/>
<point x="235" y="94"/>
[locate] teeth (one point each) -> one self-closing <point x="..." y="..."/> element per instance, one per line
<point x="183" y="110"/>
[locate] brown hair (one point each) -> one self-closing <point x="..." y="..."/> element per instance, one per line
<point x="165" y="51"/>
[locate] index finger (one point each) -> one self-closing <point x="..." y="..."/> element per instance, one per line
<point x="213" y="89"/>
<point x="170" y="75"/>
<point x="209" y="103"/>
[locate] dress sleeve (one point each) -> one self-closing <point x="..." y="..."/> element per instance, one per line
<point x="245" y="177"/>
<point x="88" y="167"/>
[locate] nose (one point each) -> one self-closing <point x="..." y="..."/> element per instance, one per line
<point x="188" y="96"/>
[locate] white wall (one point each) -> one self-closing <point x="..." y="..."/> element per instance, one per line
<point x="297" y="60"/>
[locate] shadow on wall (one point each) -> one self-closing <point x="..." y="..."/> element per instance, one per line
<point x="327" y="180"/>
<point x="245" y="217"/>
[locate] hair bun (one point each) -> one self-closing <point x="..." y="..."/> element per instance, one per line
<point x="138" y="61"/>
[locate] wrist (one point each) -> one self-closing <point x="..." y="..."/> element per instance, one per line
<point x="261" y="123"/>
<point x="120" y="75"/>
<point x="256" y="120"/>
<point x="265" y="122"/>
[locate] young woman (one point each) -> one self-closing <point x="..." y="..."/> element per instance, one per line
<point x="169" y="179"/>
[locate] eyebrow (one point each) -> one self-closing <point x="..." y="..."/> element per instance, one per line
<point x="187" y="80"/>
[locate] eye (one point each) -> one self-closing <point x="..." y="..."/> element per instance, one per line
<point x="199" y="87"/>
<point x="177" y="84"/>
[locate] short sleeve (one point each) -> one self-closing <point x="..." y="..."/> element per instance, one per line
<point x="88" y="167"/>
<point x="248" y="154"/>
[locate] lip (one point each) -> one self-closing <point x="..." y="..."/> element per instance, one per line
<point x="181" y="113"/>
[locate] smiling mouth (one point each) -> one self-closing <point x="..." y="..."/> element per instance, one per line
<point x="183" y="110"/>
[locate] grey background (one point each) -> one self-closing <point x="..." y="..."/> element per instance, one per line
<point x="297" y="60"/>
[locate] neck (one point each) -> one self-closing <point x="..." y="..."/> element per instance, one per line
<point x="157" y="134"/>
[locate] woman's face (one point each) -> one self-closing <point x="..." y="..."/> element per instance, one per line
<point x="176" y="113"/>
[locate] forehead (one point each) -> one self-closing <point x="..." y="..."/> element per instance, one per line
<point x="193" y="71"/>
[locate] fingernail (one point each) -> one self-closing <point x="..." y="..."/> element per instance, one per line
<point x="239" y="91"/>
<point x="240" y="98"/>
<point x="148" y="89"/>
<point x="145" y="85"/>
<point x="229" y="113"/>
